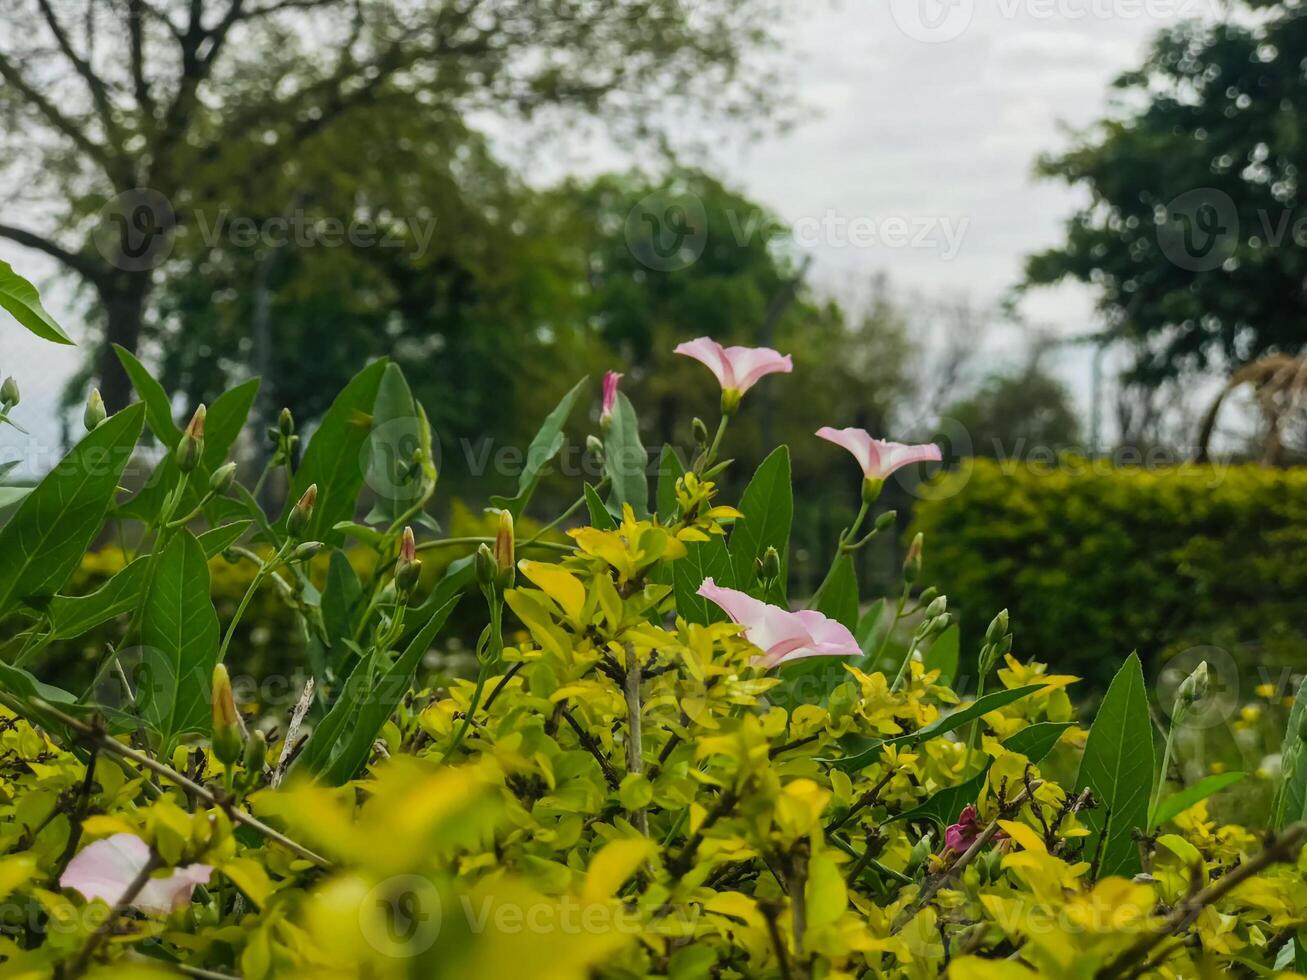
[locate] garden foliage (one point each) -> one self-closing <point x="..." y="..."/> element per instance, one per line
<point x="1094" y="561"/>
<point x="658" y="770"/>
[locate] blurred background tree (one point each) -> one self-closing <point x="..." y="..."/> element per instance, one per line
<point x="175" y="109"/>
<point x="1193" y="233"/>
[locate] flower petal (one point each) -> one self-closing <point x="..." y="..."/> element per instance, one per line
<point x="708" y="352"/>
<point x="749" y="364"/>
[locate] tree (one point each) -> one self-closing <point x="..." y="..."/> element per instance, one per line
<point x="149" y="111"/>
<point x="1192" y="236"/>
<point x="1014" y="416"/>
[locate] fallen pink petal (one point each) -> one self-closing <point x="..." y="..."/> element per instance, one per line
<point x="782" y="635"/>
<point x="107" y="868"/>
<point x="737" y="369"/>
<point x="961" y="835"/>
<point x="879" y="459"/>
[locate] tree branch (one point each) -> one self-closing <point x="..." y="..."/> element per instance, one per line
<point x="13" y="77"/>
<point x="99" y="91"/>
<point x="81" y="264"/>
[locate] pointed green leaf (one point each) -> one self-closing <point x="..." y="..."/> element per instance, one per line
<point x="72" y="616"/>
<point x="1178" y="802"/>
<point x="179" y="643"/>
<point x="625" y="459"/>
<point x="839" y="598"/>
<point x="43" y="542"/>
<point x="768" y="509"/>
<point x="337" y="458"/>
<point x="599" y="515"/>
<point x="669" y="471"/>
<point x="21" y="300"/>
<point x="396" y="436"/>
<point x="1290" y="804"/>
<point x="158" y="406"/>
<point x="703" y="559"/>
<point x="544" y="447"/>
<point x="1118" y="767"/>
<point x="340" y="746"/>
<point x="944" y="654"/>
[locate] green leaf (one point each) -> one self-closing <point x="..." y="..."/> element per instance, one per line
<point x="839" y="599"/>
<point x="1290" y="804"/>
<point x="544" y="447"/>
<point x="625" y="459"/>
<point x="20" y="298"/>
<point x="43" y="542"/>
<point x="981" y="706"/>
<point x="669" y="471"/>
<point x="396" y="435"/>
<point x="944" y="655"/>
<point x="768" y="509"/>
<point x="158" y="406"/>
<point x="342" y="605"/>
<point x="1118" y="767"/>
<point x="703" y="559"/>
<point x="1178" y="802"/>
<point x="179" y="640"/>
<point x="599" y="516"/>
<point x="18" y="681"/>
<point x="72" y="616"/>
<point x="459" y="577"/>
<point x="341" y="744"/>
<point x="13" y="495"/>
<point x="1033" y="741"/>
<point x="809" y="680"/>
<point x="337" y="458"/>
<point x="865" y="633"/>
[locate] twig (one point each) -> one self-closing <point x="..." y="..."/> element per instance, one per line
<point x="1278" y="849"/>
<point x="634" y="736"/>
<point x="98" y="739"/>
<point x="503" y="682"/>
<point x="293" y="729"/>
<point x="681" y="863"/>
<point x="590" y="745"/>
<point x="867" y="799"/>
<point x="933" y="885"/>
<point x="770" y="912"/>
<point x="93" y="942"/>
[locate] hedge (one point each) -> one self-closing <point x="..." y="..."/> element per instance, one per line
<point x="1095" y="562"/>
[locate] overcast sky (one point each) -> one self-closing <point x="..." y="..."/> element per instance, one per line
<point x="914" y="156"/>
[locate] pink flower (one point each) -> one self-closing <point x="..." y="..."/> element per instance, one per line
<point x="782" y="635"/>
<point x="610" y="394"/>
<point x="877" y="458"/>
<point x="106" y="868"/>
<point x="737" y="368"/>
<point x="961" y="835"/>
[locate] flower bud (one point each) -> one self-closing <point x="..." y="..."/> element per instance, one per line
<point x="937" y="607"/>
<point x="256" y="754"/>
<point x="920" y="851"/>
<point x="223" y="478"/>
<point x="408" y="568"/>
<point x="302" y="512"/>
<point x="886" y="520"/>
<point x="700" y="432"/>
<point x="485" y="567"/>
<point x="306" y="551"/>
<point x="505" y="562"/>
<point x="997" y="627"/>
<point x="191" y="447"/>
<point x="226" y="724"/>
<point x="594" y="446"/>
<point x="769" y="565"/>
<point x="94" y="413"/>
<point x="912" y="563"/>
<point x="286" y="423"/>
<point x="1194" y="687"/>
<point x="9" y="396"/>
<point x="927" y="596"/>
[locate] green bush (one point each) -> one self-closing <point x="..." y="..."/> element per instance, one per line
<point x="1094" y="563"/>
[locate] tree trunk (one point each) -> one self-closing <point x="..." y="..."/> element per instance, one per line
<point x="124" y="298"/>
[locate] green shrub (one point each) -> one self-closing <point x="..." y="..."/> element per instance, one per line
<point x="1095" y="563"/>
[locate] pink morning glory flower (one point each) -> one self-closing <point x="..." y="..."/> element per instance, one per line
<point x="106" y="869"/>
<point x="610" y="394"/>
<point x="879" y="459"/>
<point x="782" y="635"/>
<point x="737" y="369"/>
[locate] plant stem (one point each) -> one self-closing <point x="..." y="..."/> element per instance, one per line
<point x="1177" y="718"/>
<point x="259" y="576"/>
<point x="634" y="735"/>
